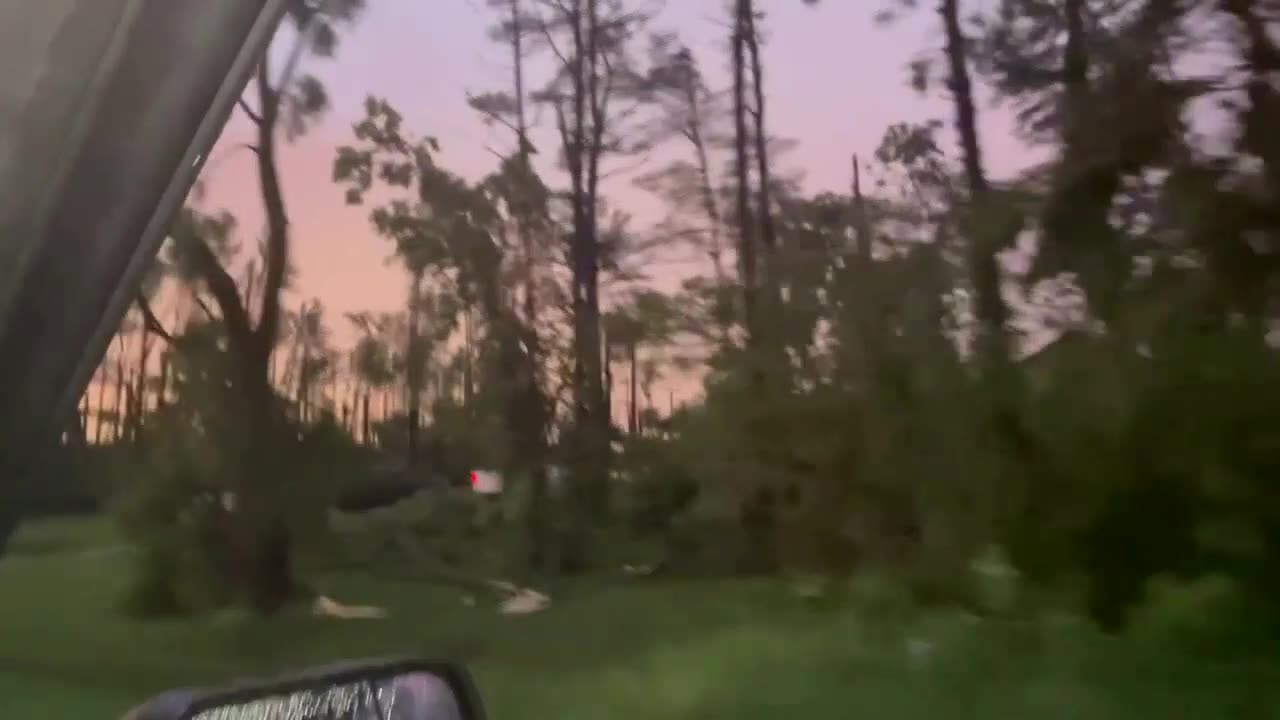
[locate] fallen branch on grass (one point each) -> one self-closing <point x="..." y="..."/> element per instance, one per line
<point x="522" y="601"/>
<point x="328" y="607"/>
<point x="513" y="600"/>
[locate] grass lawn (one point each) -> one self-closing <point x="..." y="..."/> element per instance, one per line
<point x="653" y="651"/>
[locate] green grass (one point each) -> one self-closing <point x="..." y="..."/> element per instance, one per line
<point x="663" y="650"/>
<point x="54" y="535"/>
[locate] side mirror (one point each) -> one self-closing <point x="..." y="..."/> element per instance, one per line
<point x="369" y="690"/>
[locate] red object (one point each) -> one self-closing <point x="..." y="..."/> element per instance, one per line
<point x="474" y="478"/>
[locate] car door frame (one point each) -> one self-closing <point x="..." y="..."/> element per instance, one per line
<point x="110" y="209"/>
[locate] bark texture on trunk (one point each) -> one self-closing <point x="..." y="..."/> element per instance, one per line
<point x="742" y="170"/>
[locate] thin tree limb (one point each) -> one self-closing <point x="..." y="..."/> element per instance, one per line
<point x="149" y="317"/>
<point x="244" y="107"/>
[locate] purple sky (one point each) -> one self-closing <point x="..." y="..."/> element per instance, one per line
<point x="835" y="81"/>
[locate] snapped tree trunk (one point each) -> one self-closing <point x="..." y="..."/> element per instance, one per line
<point x="137" y="413"/>
<point x="764" y="192"/>
<point x="162" y="385"/>
<point x="365" y="435"/>
<point x="261" y="535"/>
<point x="742" y="171"/>
<point x="633" y="410"/>
<point x="117" y="426"/>
<point x="100" y="415"/>
<point x="985" y="232"/>
<point x="414" y="363"/>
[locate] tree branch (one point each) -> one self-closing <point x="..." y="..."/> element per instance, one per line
<point x="244" y="107"/>
<point x="551" y="43"/>
<point x="224" y="290"/>
<point x="275" y="264"/>
<point x="149" y="317"/>
<point x="204" y="307"/>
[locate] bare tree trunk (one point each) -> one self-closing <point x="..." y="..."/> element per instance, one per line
<point x="581" y="119"/>
<point x="83" y="417"/>
<point x="984" y="237"/>
<point x="413" y="371"/>
<point x="1076" y="221"/>
<point x="468" y="383"/>
<point x="633" y="411"/>
<point x="117" y="429"/>
<point x="250" y="283"/>
<point x="351" y="421"/>
<point x="525" y="417"/>
<point x="99" y="417"/>
<point x="523" y="149"/>
<point x="366" y="436"/>
<point x="709" y="204"/>
<point x="593" y="422"/>
<point x="334" y="402"/>
<point x="962" y="95"/>
<point x="300" y="391"/>
<point x="742" y="169"/>
<point x="860" y="308"/>
<point x="162" y="389"/>
<point x="138" y="412"/>
<point x="764" y="203"/>
<point x="277" y="260"/>
<point x="597" y="101"/>
<point x="773" y="355"/>
<point x="607" y="341"/>
<point x="385" y="412"/>
<point x="291" y="378"/>
<point x="262" y="540"/>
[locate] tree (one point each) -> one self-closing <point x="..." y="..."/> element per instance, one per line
<point x="593" y="94"/>
<point x="652" y="319"/>
<point x="310" y="357"/>
<point x="686" y="111"/>
<point x="747" y="255"/>
<point x="284" y="104"/>
<point x="455" y="232"/>
<point x="372" y="365"/>
<point x="887" y="408"/>
<point x="988" y="229"/>
<point x="523" y="191"/>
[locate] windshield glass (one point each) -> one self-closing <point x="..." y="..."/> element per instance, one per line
<point x="725" y="358"/>
<point x="53" y="57"/>
<point x="409" y="696"/>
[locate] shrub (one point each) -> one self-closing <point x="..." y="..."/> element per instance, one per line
<point x="170" y="512"/>
<point x="659" y="490"/>
<point x="1212" y="614"/>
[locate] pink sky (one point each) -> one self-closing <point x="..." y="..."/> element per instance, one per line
<point x="835" y="81"/>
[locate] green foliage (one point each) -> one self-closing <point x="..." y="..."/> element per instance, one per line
<point x="659" y="491"/>
<point x="878" y="417"/>
<point x="879" y="596"/>
<point x="181" y="504"/>
<point x="446" y="530"/>
<point x="1210" y="615"/>
<point x="171" y="513"/>
<point x="1163" y="470"/>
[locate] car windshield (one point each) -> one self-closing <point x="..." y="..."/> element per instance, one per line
<point x="666" y="360"/>
<point x="50" y="52"/>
